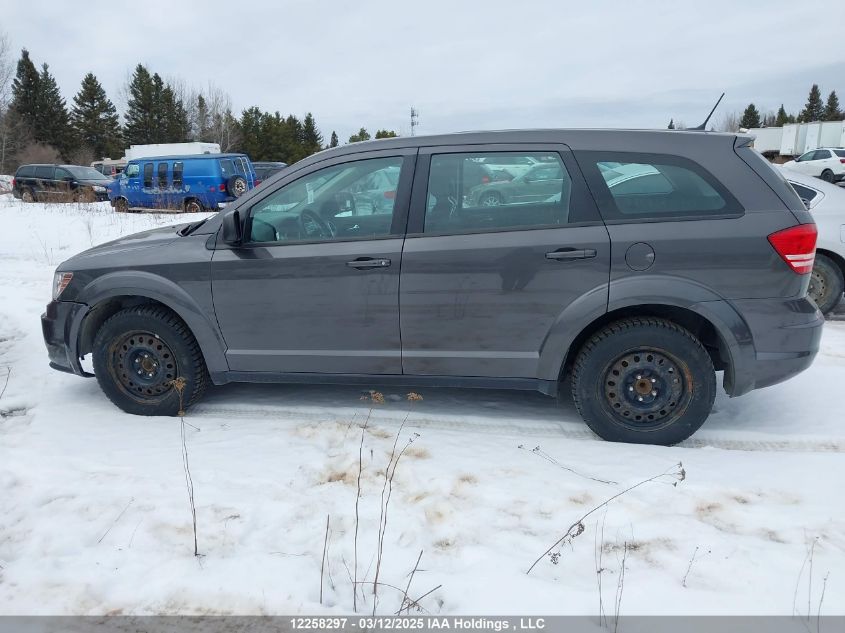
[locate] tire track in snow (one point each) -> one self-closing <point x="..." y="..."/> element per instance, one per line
<point x="511" y="426"/>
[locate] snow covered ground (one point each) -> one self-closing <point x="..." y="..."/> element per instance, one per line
<point x="94" y="514"/>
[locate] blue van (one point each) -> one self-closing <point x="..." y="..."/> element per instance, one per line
<point x="202" y="182"/>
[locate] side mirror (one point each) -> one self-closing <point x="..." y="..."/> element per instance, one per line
<point x="232" y="230"/>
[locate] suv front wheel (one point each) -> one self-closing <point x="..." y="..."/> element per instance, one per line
<point x="140" y="353"/>
<point x="644" y="380"/>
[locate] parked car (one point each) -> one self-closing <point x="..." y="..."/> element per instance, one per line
<point x="537" y="183"/>
<point x="108" y="167"/>
<point x="264" y="169"/>
<point x="190" y="183"/>
<point x="635" y="299"/>
<point x="827" y="163"/>
<point x="511" y="165"/>
<point x="59" y="183"/>
<point x="827" y="204"/>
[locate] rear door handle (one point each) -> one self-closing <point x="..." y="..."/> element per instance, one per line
<point x="368" y="262"/>
<point x="571" y="253"/>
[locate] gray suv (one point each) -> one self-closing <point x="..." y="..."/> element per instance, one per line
<point x="631" y="267"/>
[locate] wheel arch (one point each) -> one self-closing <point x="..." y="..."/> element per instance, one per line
<point x="111" y="293"/>
<point x="714" y="321"/>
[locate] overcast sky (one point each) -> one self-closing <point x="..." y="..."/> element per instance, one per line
<point x="463" y="64"/>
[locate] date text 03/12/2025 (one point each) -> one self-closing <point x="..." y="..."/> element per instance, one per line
<point x="416" y="623"/>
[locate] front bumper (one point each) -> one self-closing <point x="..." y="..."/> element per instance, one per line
<point x="60" y="325"/>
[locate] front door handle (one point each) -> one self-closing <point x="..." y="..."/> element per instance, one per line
<point x="571" y="253"/>
<point x="363" y="263"/>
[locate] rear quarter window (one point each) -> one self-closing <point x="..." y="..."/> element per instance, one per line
<point x="839" y="153"/>
<point x="633" y="186"/>
<point x="27" y="171"/>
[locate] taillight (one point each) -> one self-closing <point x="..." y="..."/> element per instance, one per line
<point x="485" y="180"/>
<point x="222" y="187"/>
<point x="13" y="182"/>
<point x="842" y="160"/>
<point x="796" y="246"/>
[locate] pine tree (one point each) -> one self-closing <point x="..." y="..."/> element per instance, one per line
<point x="831" y="108"/>
<point x="312" y="140"/>
<point x="95" y="119"/>
<point x="140" y="109"/>
<point x="174" y="117"/>
<point x="671" y="124"/>
<point x="750" y="117"/>
<point x="25" y="90"/>
<point x="386" y="134"/>
<point x="203" y="122"/>
<point x="52" y="122"/>
<point x="814" y="110"/>
<point x="781" y="118"/>
<point x="256" y="133"/>
<point x="333" y="142"/>
<point x="362" y="135"/>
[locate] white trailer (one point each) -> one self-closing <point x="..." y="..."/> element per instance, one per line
<point x="767" y="139"/>
<point x="170" y="149"/>
<point x="789" y="141"/>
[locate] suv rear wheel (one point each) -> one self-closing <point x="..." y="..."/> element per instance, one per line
<point x="828" y="176"/>
<point x="27" y="195"/>
<point x="138" y="355"/>
<point x="645" y="381"/>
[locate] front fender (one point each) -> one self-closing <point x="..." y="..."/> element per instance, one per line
<point x="137" y="283"/>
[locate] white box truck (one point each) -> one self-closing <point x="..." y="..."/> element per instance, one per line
<point x="171" y="149"/>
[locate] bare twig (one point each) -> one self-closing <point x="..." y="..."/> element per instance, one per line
<point x="357" y="499"/>
<point x="178" y="384"/>
<point x="6" y="384"/>
<point x="620" y="588"/>
<point x="323" y="564"/>
<point x="416" y="602"/>
<point x="410" y="580"/>
<point x="544" y="455"/>
<point x="689" y="567"/>
<point x="100" y="540"/>
<point x="599" y="568"/>
<point x="389" y="474"/>
<point x="821" y="600"/>
<point x="810" y="578"/>
<point x="677" y="472"/>
<point x="798" y="582"/>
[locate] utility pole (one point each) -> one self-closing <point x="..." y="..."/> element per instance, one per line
<point x="415" y="119"/>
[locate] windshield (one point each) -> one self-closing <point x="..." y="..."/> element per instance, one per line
<point x="87" y="173"/>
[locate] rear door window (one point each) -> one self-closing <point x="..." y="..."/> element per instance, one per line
<point x="148" y="175"/>
<point x="45" y="172"/>
<point x="464" y="196"/>
<point x="227" y="167"/>
<point x="640" y="186"/>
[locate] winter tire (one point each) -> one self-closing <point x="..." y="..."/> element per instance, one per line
<point x="643" y="380"/>
<point x="138" y="354"/>
<point x="236" y="186"/>
<point x="826" y="283"/>
<point x="193" y="205"/>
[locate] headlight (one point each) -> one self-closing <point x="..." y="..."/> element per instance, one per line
<point x="98" y="189"/>
<point x="60" y="282"/>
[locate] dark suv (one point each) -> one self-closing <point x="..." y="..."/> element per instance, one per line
<point x="656" y="259"/>
<point x="59" y="183"/>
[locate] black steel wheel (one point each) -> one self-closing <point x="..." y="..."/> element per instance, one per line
<point x="192" y="205"/>
<point x="121" y="205"/>
<point x="140" y="353"/>
<point x="643" y="380"/>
